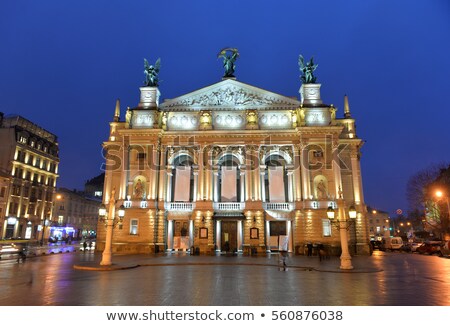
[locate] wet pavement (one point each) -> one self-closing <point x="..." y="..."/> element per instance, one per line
<point x="76" y="278"/>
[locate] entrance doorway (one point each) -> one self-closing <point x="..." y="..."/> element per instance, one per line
<point x="229" y="236"/>
<point x="278" y="236"/>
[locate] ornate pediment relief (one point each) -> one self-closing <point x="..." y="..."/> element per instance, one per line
<point x="230" y="95"/>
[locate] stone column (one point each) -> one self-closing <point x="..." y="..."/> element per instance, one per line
<point x="240" y="236"/>
<point x="249" y="195"/>
<point x="337" y="171"/>
<point x="304" y="166"/>
<point x="242" y="183"/>
<point x="154" y="167"/>
<point x="123" y="191"/>
<point x="289" y="234"/>
<point x="191" y="233"/>
<point x="297" y="179"/>
<point x="256" y="182"/>
<point x="200" y="183"/>
<point x="194" y="195"/>
<point x="356" y="177"/>
<point x="267" y="236"/>
<point x="216" y="183"/>
<point x="169" y="235"/>
<point x="169" y="183"/>
<point x="162" y="174"/>
<point x="262" y="172"/>
<point x="218" y="235"/>
<point x="290" y="175"/>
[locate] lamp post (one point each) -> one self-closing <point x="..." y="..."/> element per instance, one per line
<point x="344" y="225"/>
<point x="111" y="221"/>
<point x="440" y="194"/>
<point x="43" y="231"/>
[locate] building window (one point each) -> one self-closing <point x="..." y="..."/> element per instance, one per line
<point x="60" y="219"/>
<point x="134" y="226"/>
<point x="326" y="227"/>
<point x="2" y="192"/>
<point x="23" y="139"/>
<point x="378" y="229"/>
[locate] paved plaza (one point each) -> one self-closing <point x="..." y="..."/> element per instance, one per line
<point x="75" y="278"/>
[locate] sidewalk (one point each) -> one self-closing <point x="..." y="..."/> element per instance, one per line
<point x="361" y="264"/>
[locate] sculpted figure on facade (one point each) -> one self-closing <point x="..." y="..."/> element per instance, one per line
<point x="307" y="70"/>
<point x="139" y="189"/>
<point x="128" y="116"/>
<point x="228" y="60"/>
<point x="151" y="73"/>
<point x="321" y="190"/>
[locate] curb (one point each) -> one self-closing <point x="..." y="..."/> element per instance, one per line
<point x="115" y="267"/>
<point x="112" y="267"/>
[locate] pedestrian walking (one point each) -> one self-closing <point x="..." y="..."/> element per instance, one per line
<point x="90" y="245"/>
<point x="22" y="257"/>
<point x="310" y="248"/>
<point x="84" y="246"/>
<point x="283" y="257"/>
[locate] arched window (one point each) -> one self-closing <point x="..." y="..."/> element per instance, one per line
<point x="183" y="179"/>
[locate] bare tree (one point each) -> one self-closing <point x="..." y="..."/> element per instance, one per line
<point x="416" y="188"/>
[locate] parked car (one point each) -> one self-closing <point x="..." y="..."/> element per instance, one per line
<point x="429" y="247"/>
<point x="393" y="243"/>
<point x="377" y="245"/>
<point x="445" y="248"/>
<point x="415" y="245"/>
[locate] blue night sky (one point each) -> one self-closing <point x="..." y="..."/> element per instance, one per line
<point x="63" y="64"/>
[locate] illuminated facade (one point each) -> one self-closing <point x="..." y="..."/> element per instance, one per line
<point x="75" y="215"/>
<point x="29" y="161"/>
<point x="233" y="167"/>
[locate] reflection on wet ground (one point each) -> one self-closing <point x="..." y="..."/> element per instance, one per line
<point x="401" y="279"/>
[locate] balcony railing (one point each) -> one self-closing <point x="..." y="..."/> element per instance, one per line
<point x="233" y="206"/>
<point x="285" y="207"/>
<point x="319" y="204"/>
<point x="180" y="207"/>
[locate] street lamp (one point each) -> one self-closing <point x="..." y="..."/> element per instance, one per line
<point x="440" y="194"/>
<point x="111" y="221"/>
<point x="343" y="225"/>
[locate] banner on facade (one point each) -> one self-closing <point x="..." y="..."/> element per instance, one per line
<point x="229" y="184"/>
<point x="283" y="242"/>
<point x="276" y="184"/>
<point x="182" y="183"/>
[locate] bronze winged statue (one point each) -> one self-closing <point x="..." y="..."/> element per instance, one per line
<point x="307" y="70"/>
<point x="229" y="56"/>
<point x="151" y="73"/>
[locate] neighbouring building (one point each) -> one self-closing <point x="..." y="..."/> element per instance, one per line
<point x="75" y="214"/>
<point x="233" y="167"/>
<point x="29" y="158"/>
<point x="94" y="187"/>
<point x="379" y="223"/>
